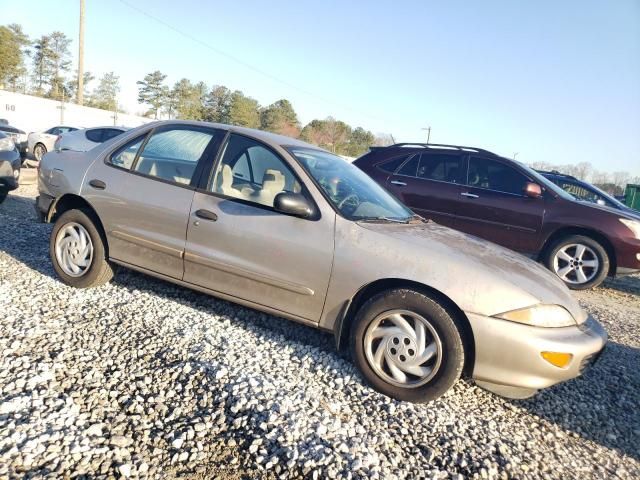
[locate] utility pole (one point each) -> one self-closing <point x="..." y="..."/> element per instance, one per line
<point x="80" y="93"/>
<point x="515" y="155"/>
<point x="428" y="129"/>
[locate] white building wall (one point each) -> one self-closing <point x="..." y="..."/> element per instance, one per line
<point x="34" y="114"/>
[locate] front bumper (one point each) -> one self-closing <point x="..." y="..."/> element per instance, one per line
<point x="508" y="354"/>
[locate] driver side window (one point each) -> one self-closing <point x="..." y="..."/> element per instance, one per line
<point x="250" y="171"/>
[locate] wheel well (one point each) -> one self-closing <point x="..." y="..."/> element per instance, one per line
<point x="368" y="291"/>
<point x="75" y="202"/>
<point x="598" y="237"/>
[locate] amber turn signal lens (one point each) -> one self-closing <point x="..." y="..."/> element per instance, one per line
<point x="557" y="359"/>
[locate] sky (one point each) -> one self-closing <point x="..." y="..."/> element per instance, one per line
<point x="549" y="81"/>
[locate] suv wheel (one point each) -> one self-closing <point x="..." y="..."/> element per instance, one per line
<point x="78" y="251"/>
<point x="579" y="261"/>
<point x="3" y="195"/>
<point x="407" y="345"/>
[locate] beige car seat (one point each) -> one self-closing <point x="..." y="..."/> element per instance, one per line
<point x="273" y="182"/>
<point x="224" y="182"/>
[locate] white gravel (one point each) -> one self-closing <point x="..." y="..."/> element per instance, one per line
<point x="141" y="378"/>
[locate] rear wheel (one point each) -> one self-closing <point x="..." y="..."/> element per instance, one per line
<point x="407" y="345"/>
<point x="78" y="252"/>
<point x="580" y="261"/>
<point x="39" y="150"/>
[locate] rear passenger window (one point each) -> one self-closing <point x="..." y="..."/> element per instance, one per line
<point x="438" y="166"/>
<point x="410" y="168"/>
<point x="172" y="155"/>
<point x="485" y="173"/>
<point x="390" y="166"/>
<point x="124" y="157"/>
<point x="94" y="135"/>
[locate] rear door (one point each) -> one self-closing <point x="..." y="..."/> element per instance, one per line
<point x="143" y="193"/>
<point x="429" y="184"/>
<point x="496" y="208"/>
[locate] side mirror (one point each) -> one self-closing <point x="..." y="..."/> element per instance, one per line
<point x="533" y="190"/>
<point x="293" y="204"/>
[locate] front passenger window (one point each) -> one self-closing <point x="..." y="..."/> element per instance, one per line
<point x="493" y="175"/>
<point x="250" y="171"/>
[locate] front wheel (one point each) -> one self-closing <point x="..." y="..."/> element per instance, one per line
<point x="407" y="345"/>
<point x="3" y="195"/>
<point x="78" y="251"/>
<point x="579" y="261"/>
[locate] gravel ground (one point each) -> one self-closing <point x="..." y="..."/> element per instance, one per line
<point x="140" y="378"/>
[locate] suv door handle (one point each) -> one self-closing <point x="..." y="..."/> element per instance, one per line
<point x="206" y="215"/>
<point x="98" y="184"/>
<point x="469" y="195"/>
<point x="399" y="183"/>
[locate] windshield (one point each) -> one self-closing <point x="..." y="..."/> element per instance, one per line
<point x="354" y="194"/>
<point x="547" y="183"/>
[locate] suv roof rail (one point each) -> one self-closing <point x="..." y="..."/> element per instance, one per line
<point x="442" y="146"/>
<point x="556" y="172"/>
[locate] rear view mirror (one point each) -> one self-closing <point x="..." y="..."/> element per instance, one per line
<point x="293" y="204"/>
<point x="533" y="190"/>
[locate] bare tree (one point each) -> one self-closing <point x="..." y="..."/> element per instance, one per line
<point x="620" y="179"/>
<point x="582" y="170"/>
<point x="600" y="178"/>
<point x="383" y="140"/>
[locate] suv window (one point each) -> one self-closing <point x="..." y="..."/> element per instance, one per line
<point x="410" y="168"/>
<point x="250" y="171"/>
<point x="125" y="156"/>
<point x="390" y="166"/>
<point x="172" y="155"/>
<point x="95" y="135"/>
<point x="494" y="175"/>
<point x="439" y="166"/>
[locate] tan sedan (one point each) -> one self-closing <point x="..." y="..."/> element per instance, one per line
<point x="284" y="227"/>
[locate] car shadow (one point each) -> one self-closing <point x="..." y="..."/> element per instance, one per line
<point x="601" y="405"/>
<point x="625" y="284"/>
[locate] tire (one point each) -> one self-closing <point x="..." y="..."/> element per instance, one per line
<point x="38" y="151"/>
<point x="430" y="378"/>
<point x="580" y="261"/>
<point x="3" y="195"/>
<point x="92" y="269"/>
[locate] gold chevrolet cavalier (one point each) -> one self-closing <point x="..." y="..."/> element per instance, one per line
<point x="282" y="226"/>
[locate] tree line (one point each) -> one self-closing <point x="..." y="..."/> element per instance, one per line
<point x="613" y="183"/>
<point x="42" y="67"/>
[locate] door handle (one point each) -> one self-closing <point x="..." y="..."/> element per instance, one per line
<point x="399" y="183"/>
<point x="469" y="195"/>
<point x="206" y="215"/>
<point x="98" y="184"/>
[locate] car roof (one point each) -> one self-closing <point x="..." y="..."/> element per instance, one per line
<point x="267" y="137"/>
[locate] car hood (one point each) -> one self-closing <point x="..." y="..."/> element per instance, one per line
<point x="619" y="212"/>
<point x="480" y="276"/>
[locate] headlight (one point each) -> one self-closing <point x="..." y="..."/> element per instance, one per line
<point x="6" y="144"/>
<point x="541" y="316"/>
<point x="632" y="225"/>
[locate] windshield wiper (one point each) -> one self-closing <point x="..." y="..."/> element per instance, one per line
<point x="382" y="219"/>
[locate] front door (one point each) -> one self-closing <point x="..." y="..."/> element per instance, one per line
<point x="146" y="221"/>
<point x="496" y="208"/>
<point x="429" y="184"/>
<point x="237" y="244"/>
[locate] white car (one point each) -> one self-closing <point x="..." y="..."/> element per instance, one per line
<point x="84" y="140"/>
<point x="40" y="143"/>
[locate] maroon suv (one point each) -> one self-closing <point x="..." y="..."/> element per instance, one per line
<point x="504" y="201"/>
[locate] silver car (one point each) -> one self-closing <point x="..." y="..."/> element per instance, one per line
<point x="281" y="226"/>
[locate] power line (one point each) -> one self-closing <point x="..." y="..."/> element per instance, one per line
<point x="245" y="64"/>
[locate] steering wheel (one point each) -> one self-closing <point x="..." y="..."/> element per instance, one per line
<point x="351" y="198"/>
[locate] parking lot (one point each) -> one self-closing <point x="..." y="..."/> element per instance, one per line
<point x="143" y="378"/>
